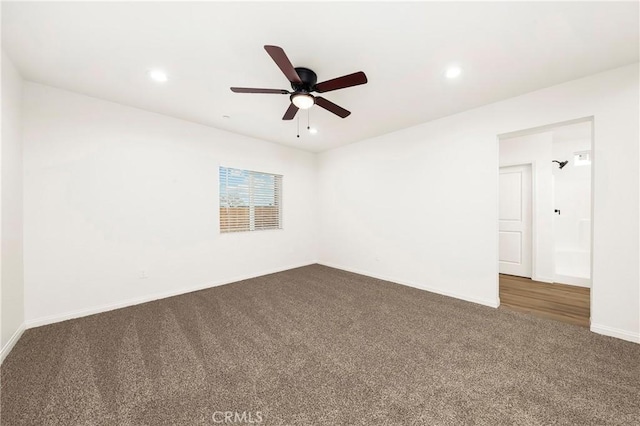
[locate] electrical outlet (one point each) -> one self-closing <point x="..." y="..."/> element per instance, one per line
<point x="142" y="273"/>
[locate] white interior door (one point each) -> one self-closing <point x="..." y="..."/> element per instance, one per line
<point x="515" y="220"/>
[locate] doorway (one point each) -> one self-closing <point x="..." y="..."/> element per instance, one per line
<point x="545" y="221"/>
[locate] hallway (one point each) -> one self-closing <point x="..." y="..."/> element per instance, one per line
<point x="560" y="302"/>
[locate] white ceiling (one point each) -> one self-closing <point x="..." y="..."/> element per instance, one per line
<point x="505" y="49"/>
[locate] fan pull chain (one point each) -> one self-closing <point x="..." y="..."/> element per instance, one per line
<point x="308" y="114"/>
<point x="298" y="126"/>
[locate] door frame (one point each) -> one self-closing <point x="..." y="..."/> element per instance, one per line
<point x="531" y="131"/>
<point x="534" y="224"/>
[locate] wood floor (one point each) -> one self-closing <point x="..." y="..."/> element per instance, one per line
<point x="559" y="302"/>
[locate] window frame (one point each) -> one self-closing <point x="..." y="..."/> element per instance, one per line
<point x="278" y="200"/>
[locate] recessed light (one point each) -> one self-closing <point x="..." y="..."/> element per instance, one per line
<point x="313" y="130"/>
<point x="453" y="72"/>
<point x="158" y="75"/>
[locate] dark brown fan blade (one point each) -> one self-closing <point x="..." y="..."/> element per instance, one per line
<point x="331" y="107"/>
<point x="250" y="90"/>
<point x="350" y="80"/>
<point x="291" y="112"/>
<point x="280" y="58"/>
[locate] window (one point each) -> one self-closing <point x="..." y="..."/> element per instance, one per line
<point x="249" y="201"/>
<point x="582" y="158"/>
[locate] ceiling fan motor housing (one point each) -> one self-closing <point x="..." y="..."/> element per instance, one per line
<point x="309" y="80"/>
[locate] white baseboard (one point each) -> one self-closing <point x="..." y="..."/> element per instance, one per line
<point x="575" y="281"/>
<point x="596" y="328"/>
<point x="616" y="332"/>
<point x="37" y="322"/>
<point x="12" y="342"/>
<point x="542" y="279"/>
<point x="487" y="302"/>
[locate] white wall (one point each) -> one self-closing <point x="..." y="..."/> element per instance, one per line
<point x="537" y="150"/>
<point x="572" y="227"/>
<point x="420" y="206"/>
<point x="11" y="277"/>
<point x="111" y="190"/>
<point x="572" y="193"/>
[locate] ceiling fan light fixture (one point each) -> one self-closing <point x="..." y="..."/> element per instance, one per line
<point x="303" y="82"/>
<point x="302" y="100"/>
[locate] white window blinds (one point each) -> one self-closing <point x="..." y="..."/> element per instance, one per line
<point x="249" y="201"/>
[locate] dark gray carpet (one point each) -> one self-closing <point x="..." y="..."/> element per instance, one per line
<point x="316" y="345"/>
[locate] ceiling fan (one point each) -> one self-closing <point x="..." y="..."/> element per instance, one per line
<point x="303" y="82"/>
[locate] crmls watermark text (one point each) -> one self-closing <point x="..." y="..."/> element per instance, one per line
<point x="247" y="417"/>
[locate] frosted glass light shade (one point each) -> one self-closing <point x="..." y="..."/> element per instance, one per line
<point x="303" y="101"/>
